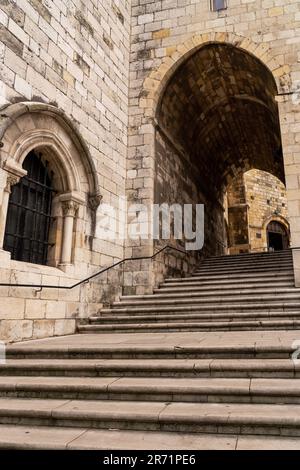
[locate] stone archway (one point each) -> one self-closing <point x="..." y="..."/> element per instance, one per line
<point x="43" y="128"/>
<point x="28" y="125"/>
<point x="217" y="117"/>
<point x="157" y="80"/>
<point x="281" y="221"/>
<point x="152" y="101"/>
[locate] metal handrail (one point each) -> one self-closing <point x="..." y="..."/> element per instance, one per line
<point x="40" y="287"/>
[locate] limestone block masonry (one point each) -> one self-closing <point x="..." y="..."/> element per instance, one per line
<point x="81" y="82"/>
<point x="71" y="58"/>
<point x="255" y="199"/>
<point x="167" y="33"/>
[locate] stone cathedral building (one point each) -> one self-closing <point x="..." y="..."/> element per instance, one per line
<point x="171" y="101"/>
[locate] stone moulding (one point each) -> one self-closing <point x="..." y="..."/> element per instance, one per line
<point x="9" y="117"/>
<point x="157" y="80"/>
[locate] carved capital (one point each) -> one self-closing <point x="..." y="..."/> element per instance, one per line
<point x="70" y="208"/>
<point x="94" y="201"/>
<point x="11" y="181"/>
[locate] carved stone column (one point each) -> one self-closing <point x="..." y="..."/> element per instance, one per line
<point x="11" y="181"/>
<point x="94" y="201"/>
<point x="70" y="210"/>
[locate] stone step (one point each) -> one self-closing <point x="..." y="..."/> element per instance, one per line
<point x="233" y="264"/>
<point x="223" y="418"/>
<point x="16" y="437"/>
<point x="229" y="283"/>
<point x="232" y="260"/>
<point x="248" y="271"/>
<point x="245" y="276"/>
<point x="100" y="319"/>
<point x="240" y="269"/>
<point x="292" y="296"/>
<point x="230" y="368"/>
<point x="216" y="301"/>
<point x="237" y="266"/>
<point x="162" y="389"/>
<point x="251" y="262"/>
<point x="250" y="256"/>
<point x="214" y="307"/>
<point x="180" y="288"/>
<point x="160" y="296"/>
<point x="232" y="325"/>
<point x="156" y="349"/>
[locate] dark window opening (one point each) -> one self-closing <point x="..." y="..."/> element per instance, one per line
<point x="29" y="213"/>
<point x="217" y="5"/>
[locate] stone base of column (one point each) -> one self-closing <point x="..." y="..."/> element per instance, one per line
<point x="67" y="268"/>
<point x="5" y="257"/>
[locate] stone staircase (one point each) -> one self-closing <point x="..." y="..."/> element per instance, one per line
<point x="241" y="292"/>
<point x="172" y="370"/>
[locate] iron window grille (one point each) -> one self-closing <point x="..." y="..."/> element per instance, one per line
<point x="29" y="213"/>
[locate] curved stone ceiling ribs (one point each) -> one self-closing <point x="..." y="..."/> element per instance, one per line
<point x="220" y="107"/>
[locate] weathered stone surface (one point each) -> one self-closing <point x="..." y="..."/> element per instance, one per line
<point x="255" y="199"/>
<point x="167" y="88"/>
<point x="127" y="412"/>
<point x="110" y="71"/>
<point x="55" y="53"/>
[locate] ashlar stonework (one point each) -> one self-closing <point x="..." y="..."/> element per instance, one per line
<point x="155" y="101"/>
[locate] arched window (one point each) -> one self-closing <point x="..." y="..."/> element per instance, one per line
<point x="29" y="213"/>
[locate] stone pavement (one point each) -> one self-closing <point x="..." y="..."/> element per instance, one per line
<point x="196" y="390"/>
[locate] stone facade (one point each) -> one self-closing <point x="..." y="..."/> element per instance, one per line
<point x="169" y="37"/>
<point x="267" y="202"/>
<point x="70" y="58"/>
<point x="255" y="199"/>
<point x="155" y="100"/>
<point x="238" y="217"/>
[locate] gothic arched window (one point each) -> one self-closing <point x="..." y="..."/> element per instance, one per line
<point x="29" y="213"/>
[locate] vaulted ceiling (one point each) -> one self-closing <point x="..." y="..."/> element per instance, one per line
<point x="220" y="108"/>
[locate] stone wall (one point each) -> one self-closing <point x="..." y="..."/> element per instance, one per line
<point x="165" y="34"/>
<point x="266" y="199"/>
<point x="178" y="181"/>
<point x="74" y="56"/>
<point x="103" y="64"/>
<point x="238" y="221"/>
<point x="255" y="198"/>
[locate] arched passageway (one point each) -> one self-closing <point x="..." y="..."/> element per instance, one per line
<point x="277" y="236"/>
<point x="217" y="118"/>
<point x="254" y="198"/>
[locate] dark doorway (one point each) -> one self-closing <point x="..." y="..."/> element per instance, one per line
<point x="275" y="241"/>
<point x="277" y="236"/>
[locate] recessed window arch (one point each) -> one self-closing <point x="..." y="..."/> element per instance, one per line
<point x="29" y="214"/>
<point x="43" y="134"/>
